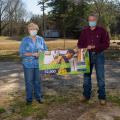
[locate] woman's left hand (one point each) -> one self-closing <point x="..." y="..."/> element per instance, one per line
<point x="36" y="54"/>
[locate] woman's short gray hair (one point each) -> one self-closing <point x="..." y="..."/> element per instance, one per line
<point x="33" y="26"/>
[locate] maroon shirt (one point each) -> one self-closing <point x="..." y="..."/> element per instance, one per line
<point x="98" y="37"/>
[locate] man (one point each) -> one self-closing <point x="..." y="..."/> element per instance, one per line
<point x="96" y="40"/>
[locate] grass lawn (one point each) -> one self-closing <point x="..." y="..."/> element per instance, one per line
<point x="9" y="48"/>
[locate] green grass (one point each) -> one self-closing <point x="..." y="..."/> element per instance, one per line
<point x="114" y="99"/>
<point x="31" y="110"/>
<point x="2" y="110"/>
<point x="117" y="118"/>
<point x="19" y="110"/>
<point x="14" y="56"/>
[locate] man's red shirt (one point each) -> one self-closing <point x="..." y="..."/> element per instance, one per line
<point x="98" y="37"/>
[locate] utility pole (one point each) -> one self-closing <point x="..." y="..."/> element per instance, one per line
<point x="43" y="7"/>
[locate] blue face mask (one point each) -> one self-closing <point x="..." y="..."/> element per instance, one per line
<point x="92" y="24"/>
<point x="33" y="32"/>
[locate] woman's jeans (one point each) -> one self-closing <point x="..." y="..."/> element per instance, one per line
<point x="32" y="83"/>
<point x="96" y="59"/>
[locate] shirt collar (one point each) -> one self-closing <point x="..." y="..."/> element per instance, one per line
<point x="94" y="29"/>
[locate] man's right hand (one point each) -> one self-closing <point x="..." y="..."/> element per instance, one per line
<point x="90" y="47"/>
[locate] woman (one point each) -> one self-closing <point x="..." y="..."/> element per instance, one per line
<point x="30" y="48"/>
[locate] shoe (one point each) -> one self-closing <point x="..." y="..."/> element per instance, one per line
<point x="83" y="99"/>
<point x="102" y="102"/>
<point x="28" y="103"/>
<point x="40" y="101"/>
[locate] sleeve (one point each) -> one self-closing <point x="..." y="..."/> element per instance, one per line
<point x="81" y="41"/>
<point x="105" y="41"/>
<point x="22" y="50"/>
<point x="44" y="45"/>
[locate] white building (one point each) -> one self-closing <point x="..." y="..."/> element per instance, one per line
<point x="52" y="34"/>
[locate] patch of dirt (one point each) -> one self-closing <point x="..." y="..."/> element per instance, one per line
<point x="85" y="112"/>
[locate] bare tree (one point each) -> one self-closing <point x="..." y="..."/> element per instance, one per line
<point x="9" y="11"/>
<point x="3" y="8"/>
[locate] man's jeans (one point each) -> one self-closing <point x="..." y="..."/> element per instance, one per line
<point x="32" y="83"/>
<point x="96" y="59"/>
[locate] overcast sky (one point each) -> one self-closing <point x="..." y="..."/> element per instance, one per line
<point x="31" y="6"/>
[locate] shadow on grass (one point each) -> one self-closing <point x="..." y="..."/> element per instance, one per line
<point x="10" y="57"/>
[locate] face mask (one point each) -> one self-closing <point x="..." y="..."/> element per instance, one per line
<point x="92" y="24"/>
<point x="33" y="32"/>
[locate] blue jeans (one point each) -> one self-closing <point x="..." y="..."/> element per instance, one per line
<point x="96" y="59"/>
<point x="32" y="83"/>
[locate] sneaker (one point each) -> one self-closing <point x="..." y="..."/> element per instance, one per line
<point x="102" y="102"/>
<point x="84" y="99"/>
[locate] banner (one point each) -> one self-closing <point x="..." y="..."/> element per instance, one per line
<point x="63" y="62"/>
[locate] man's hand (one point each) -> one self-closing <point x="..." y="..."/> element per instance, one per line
<point x="91" y="47"/>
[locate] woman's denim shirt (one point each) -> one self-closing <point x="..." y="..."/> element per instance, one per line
<point x="28" y="46"/>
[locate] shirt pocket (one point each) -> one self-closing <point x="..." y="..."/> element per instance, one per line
<point x="40" y="47"/>
<point x="98" y="38"/>
<point x="28" y="48"/>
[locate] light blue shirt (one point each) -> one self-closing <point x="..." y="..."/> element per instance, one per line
<point x="29" y="46"/>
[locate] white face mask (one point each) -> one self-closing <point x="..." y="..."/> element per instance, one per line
<point x="33" y="32"/>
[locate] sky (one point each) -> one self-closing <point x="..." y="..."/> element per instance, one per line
<point x="31" y="6"/>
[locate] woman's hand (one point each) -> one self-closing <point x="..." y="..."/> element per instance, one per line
<point x="32" y="54"/>
<point x="28" y="54"/>
<point x="35" y="54"/>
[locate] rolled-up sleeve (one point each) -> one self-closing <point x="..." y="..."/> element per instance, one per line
<point x="45" y="47"/>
